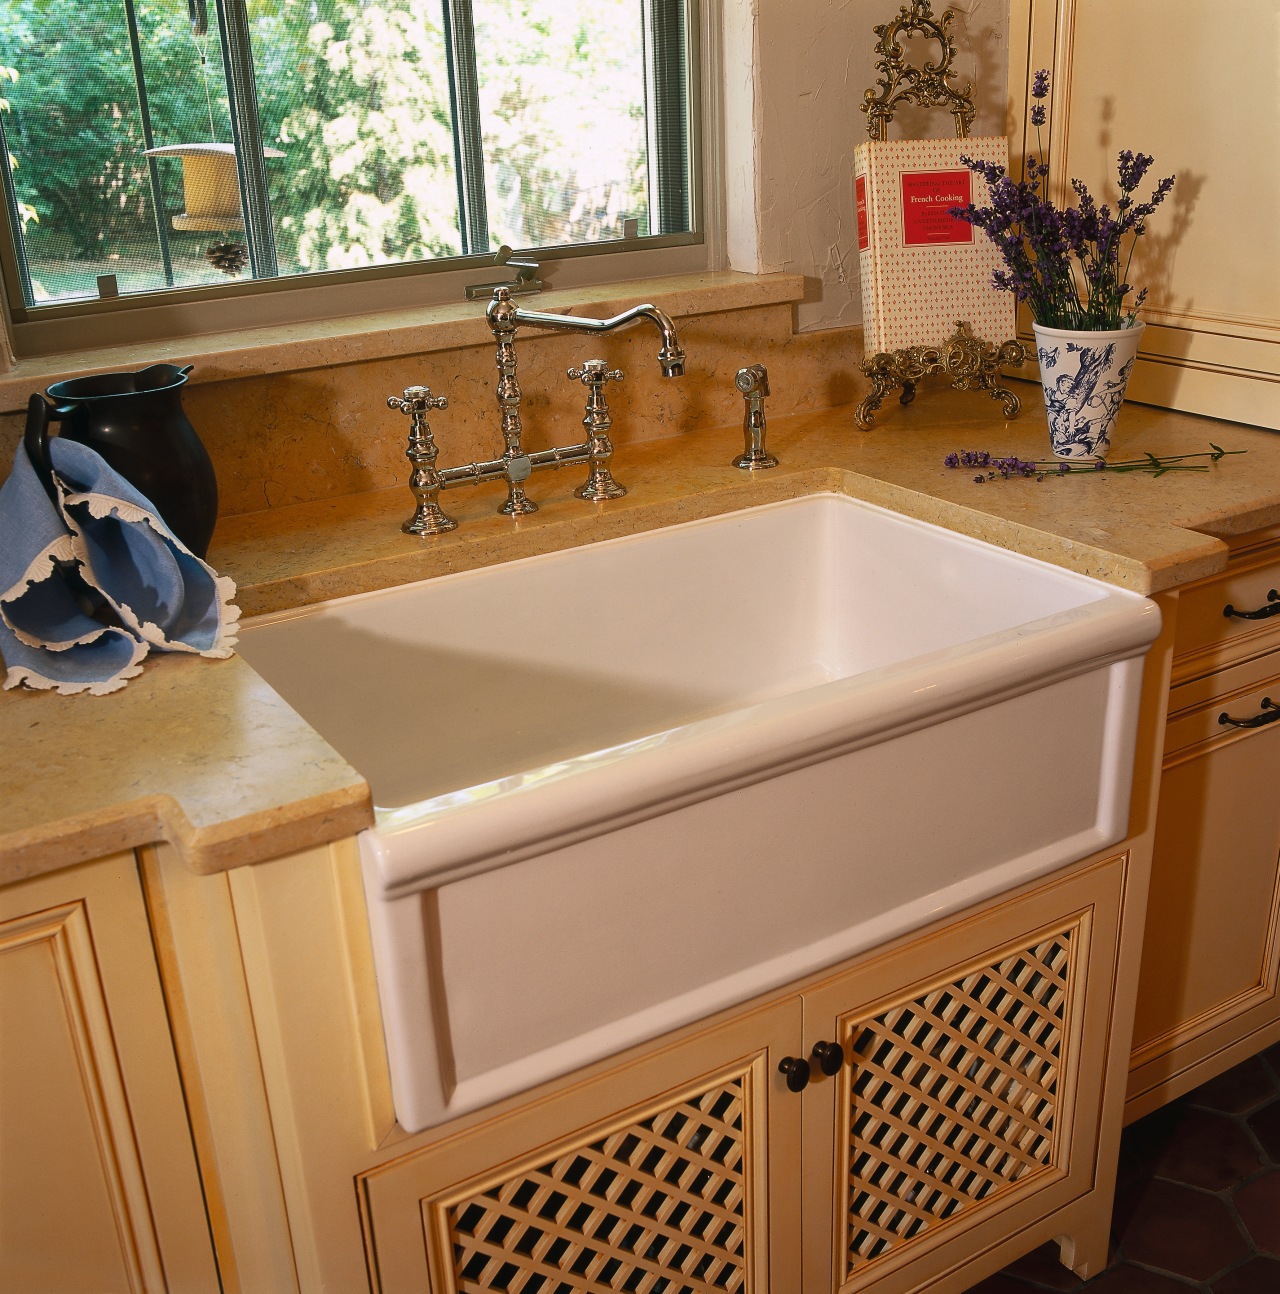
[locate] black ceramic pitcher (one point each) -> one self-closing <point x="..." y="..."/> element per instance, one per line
<point x="137" y="423"/>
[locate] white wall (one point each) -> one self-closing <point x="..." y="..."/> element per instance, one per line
<point x="794" y="73"/>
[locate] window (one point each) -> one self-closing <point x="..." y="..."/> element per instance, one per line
<point x="158" y="150"/>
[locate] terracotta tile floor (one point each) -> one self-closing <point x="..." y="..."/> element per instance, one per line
<point x="1197" y="1200"/>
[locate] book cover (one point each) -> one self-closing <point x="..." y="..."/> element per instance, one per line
<point x="922" y="269"/>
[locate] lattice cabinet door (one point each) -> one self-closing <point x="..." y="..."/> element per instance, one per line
<point x="966" y="1104"/>
<point x="674" y="1173"/>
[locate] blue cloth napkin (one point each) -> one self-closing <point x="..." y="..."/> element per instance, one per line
<point x="92" y="583"/>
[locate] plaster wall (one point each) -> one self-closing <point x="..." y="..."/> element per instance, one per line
<point x="794" y="75"/>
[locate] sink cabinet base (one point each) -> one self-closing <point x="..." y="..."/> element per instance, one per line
<point x="966" y="1110"/>
<point x="966" y="1125"/>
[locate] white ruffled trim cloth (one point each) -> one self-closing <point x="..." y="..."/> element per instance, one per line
<point x="88" y="586"/>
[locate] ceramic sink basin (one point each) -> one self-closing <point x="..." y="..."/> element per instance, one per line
<point x="626" y="785"/>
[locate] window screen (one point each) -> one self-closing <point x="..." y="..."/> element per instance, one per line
<point x="153" y="144"/>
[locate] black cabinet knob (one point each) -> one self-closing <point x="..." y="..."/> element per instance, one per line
<point x="830" y="1056"/>
<point x="797" y="1071"/>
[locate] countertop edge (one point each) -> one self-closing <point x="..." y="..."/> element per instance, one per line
<point x="260" y="837"/>
<point x="159" y="819"/>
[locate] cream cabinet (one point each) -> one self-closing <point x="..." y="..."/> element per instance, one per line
<point x="98" y="1182"/>
<point x="1197" y="86"/>
<point x="885" y="1128"/>
<point x="910" y="1120"/>
<point x="1210" y="984"/>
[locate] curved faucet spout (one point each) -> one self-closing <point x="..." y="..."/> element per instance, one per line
<point x="505" y="318"/>
<point x="671" y="357"/>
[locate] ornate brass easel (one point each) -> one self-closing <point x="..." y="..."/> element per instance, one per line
<point x="968" y="362"/>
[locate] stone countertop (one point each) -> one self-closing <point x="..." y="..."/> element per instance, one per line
<point x="200" y="753"/>
<point x="205" y="755"/>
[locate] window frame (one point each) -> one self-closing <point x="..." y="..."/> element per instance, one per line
<point x="177" y="313"/>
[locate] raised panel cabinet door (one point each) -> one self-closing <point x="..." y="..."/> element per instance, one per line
<point x="1196" y="85"/>
<point x="1211" y="955"/>
<point x="98" y="1182"/>
<point x="677" y="1171"/>
<point x="966" y="1103"/>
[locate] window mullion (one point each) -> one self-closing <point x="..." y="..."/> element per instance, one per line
<point x="667" y="76"/>
<point x="246" y="128"/>
<point x="468" y="142"/>
<point x="148" y="140"/>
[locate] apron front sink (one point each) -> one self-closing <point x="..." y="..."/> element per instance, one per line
<point x="626" y="785"/>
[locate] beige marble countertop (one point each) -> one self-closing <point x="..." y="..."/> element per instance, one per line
<point x="200" y="753"/>
<point x="205" y="755"/>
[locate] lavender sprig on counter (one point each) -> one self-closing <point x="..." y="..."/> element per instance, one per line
<point x="1004" y="468"/>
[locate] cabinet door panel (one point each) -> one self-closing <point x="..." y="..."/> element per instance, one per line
<point x="967" y="1093"/>
<point x="98" y="1183"/>
<point x="1122" y="80"/>
<point x="1210" y="950"/>
<point x="65" y="1184"/>
<point x="654" y="1173"/>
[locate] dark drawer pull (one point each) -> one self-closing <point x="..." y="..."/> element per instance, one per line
<point x="829" y="1057"/>
<point x="1262" y="613"/>
<point x="797" y="1071"/>
<point x="1270" y="714"/>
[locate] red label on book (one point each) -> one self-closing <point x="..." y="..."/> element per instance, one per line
<point x="927" y="197"/>
<point x="860" y="195"/>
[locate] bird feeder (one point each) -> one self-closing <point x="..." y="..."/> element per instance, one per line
<point x="210" y="184"/>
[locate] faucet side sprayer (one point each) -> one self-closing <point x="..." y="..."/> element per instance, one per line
<point x="753" y="383"/>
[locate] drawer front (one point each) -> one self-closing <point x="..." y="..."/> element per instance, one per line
<point x="1248" y="695"/>
<point x="1207" y="637"/>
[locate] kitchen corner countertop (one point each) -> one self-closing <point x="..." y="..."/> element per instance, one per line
<point x="205" y="755"/>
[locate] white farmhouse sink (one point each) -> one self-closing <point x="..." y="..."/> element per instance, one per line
<point x="626" y="785"/>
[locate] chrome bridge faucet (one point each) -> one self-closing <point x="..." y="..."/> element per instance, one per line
<point x="515" y="466"/>
<point x="504" y="318"/>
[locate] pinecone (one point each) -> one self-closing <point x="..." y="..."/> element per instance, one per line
<point x="230" y="258"/>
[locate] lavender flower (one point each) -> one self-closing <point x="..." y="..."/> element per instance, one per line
<point x="1011" y="466"/>
<point x="1070" y="266"/>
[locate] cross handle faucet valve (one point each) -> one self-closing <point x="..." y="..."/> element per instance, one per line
<point x="594" y="374"/>
<point x="424" y="479"/>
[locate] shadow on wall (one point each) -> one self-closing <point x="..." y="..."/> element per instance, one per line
<point x="1156" y="250"/>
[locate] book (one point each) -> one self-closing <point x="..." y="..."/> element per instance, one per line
<point x="922" y="269"/>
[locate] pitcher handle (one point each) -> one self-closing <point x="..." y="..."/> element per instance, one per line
<point x="36" y="440"/>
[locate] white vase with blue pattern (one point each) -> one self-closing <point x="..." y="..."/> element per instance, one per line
<point x="1084" y="376"/>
